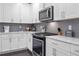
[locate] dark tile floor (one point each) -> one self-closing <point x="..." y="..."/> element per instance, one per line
<point x="18" y="53"/>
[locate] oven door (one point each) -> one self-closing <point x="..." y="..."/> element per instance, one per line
<point x="38" y="47"/>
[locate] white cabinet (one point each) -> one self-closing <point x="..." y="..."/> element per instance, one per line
<point x="16" y="12"/>
<point x="41" y="6"/>
<point x="16" y="17"/>
<point x="25" y="10"/>
<point x="35" y="12"/>
<point x="58" y="11"/>
<point x="22" y="40"/>
<point x="60" y="53"/>
<point x="18" y="41"/>
<point x="57" y="48"/>
<point x="5" y="42"/>
<point x="7" y="12"/>
<point x="74" y="50"/>
<point x="63" y="11"/>
<point x="1" y="12"/>
<point x="29" y="38"/>
<point x="50" y="50"/>
<point x="71" y="10"/>
<point x="10" y="12"/>
<point x="14" y="41"/>
<point x="0" y="44"/>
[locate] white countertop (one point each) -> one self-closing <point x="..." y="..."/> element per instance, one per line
<point x="17" y="32"/>
<point x="69" y="40"/>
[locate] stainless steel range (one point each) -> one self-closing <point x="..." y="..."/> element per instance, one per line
<point x="39" y="43"/>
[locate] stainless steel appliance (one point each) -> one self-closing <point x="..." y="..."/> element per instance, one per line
<point x="46" y="14"/>
<point x="39" y="43"/>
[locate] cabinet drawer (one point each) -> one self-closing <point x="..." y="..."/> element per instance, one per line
<point x="75" y="50"/>
<point x="55" y="51"/>
<point x="62" y="51"/>
<point x="59" y="44"/>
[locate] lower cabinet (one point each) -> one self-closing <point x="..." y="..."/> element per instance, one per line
<point x="5" y="43"/>
<point x="29" y="39"/>
<point x="22" y="41"/>
<point x="13" y="41"/>
<point x="61" y="52"/>
<point x="0" y="45"/>
<point x="74" y="50"/>
<point x="50" y="51"/>
<point x="18" y="41"/>
<point x="57" y="48"/>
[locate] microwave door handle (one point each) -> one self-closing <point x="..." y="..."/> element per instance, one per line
<point x="47" y="13"/>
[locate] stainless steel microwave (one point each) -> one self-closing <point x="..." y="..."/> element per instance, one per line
<point x="46" y="14"/>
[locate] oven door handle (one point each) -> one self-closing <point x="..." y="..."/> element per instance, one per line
<point x="37" y="39"/>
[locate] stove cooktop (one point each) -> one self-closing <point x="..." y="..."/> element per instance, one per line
<point x="43" y="34"/>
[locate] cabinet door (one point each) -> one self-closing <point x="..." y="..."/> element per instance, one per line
<point x="61" y="52"/>
<point x="22" y="41"/>
<point x="41" y="6"/>
<point x="7" y="14"/>
<point x="72" y="10"/>
<point x="29" y="41"/>
<point x="50" y="51"/>
<point x="5" y="43"/>
<point x="59" y="13"/>
<point x="14" y="41"/>
<point x="62" y="47"/>
<point x="1" y="12"/>
<point x="16" y="14"/>
<point x="74" y="50"/>
<point x="0" y="44"/>
<point x="25" y="13"/>
<point x="35" y="12"/>
<point x="50" y="48"/>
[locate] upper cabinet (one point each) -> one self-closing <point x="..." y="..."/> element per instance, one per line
<point x="59" y="13"/>
<point x="16" y="17"/>
<point x="1" y="12"/>
<point x="29" y="12"/>
<point x="63" y="11"/>
<point x="71" y="10"/>
<point x="9" y="12"/>
<point x="35" y="12"/>
<point x="17" y="13"/>
<point x="25" y="10"/>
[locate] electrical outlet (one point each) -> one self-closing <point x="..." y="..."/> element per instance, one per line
<point x="69" y="27"/>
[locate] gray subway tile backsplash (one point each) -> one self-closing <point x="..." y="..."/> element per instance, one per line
<point x="64" y="26"/>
